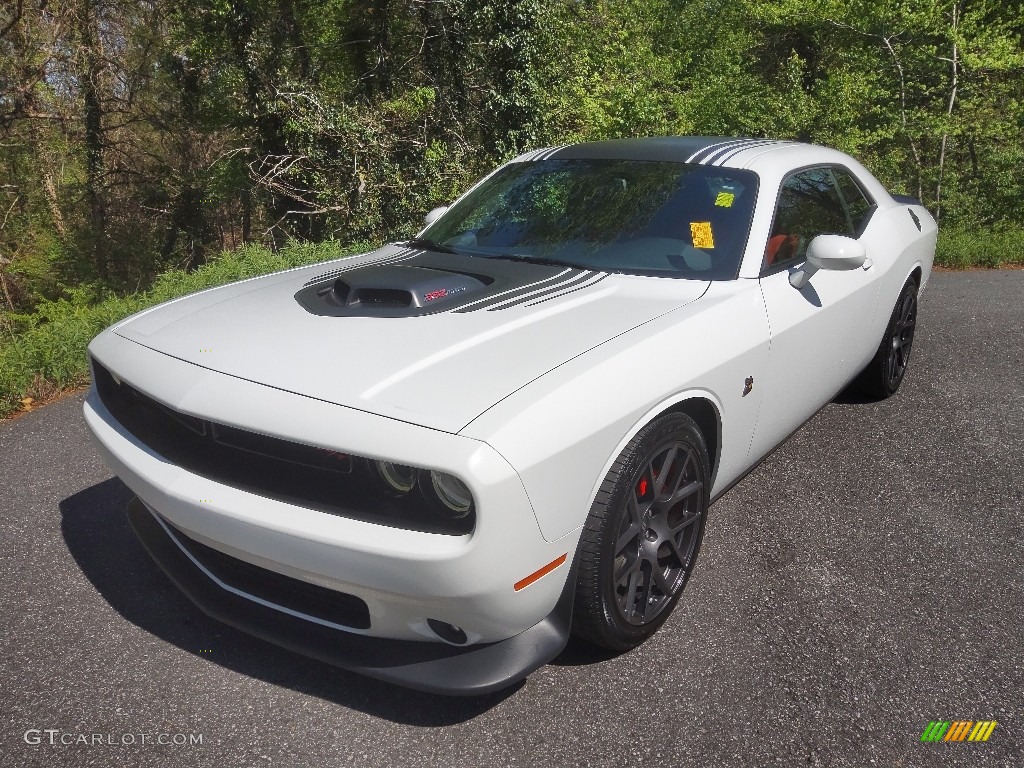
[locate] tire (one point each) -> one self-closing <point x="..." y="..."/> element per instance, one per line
<point x="885" y="372"/>
<point x="641" y="540"/>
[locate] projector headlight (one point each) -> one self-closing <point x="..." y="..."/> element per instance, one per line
<point x="448" y="495"/>
<point x="395" y="478"/>
<point x="429" y="497"/>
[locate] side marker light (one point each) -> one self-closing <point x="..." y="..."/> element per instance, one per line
<point x="524" y="583"/>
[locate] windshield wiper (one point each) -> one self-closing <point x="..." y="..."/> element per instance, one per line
<point x="430" y="245"/>
<point x="532" y="259"/>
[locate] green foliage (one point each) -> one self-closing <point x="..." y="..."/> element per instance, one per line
<point x="223" y="122"/>
<point x="961" y="248"/>
<point x="46" y="349"/>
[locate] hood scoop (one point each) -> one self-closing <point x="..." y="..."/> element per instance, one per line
<point x="393" y="290"/>
<point x="348" y="296"/>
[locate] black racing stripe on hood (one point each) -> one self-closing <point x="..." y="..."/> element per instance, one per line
<point x="572" y="281"/>
<point x="527" y="292"/>
<point x="587" y="284"/>
<point x="454" y="282"/>
<point x="402" y="255"/>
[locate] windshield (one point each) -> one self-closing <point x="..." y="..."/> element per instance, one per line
<point x="654" y="218"/>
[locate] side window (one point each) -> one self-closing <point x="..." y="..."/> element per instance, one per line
<point x="809" y="205"/>
<point x="857" y="204"/>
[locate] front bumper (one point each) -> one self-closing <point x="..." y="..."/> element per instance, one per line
<point x="405" y="577"/>
<point x="431" y="667"/>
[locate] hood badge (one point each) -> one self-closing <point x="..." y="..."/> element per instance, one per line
<point x="748" y="385"/>
<point x="442" y="292"/>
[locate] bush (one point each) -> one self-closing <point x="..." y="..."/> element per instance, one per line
<point x="961" y="248"/>
<point x="45" y="351"/>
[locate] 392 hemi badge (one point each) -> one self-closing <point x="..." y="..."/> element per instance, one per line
<point x="440" y="293"/>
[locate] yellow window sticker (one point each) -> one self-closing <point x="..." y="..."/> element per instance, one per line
<point x="700" y="231"/>
<point x="725" y="199"/>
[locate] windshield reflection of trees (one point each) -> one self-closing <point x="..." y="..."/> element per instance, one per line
<point x="600" y="213"/>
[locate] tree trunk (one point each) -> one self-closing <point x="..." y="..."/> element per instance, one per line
<point x="954" y="64"/>
<point x="90" y="73"/>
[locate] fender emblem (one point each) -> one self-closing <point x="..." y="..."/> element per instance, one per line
<point x="748" y="385"/>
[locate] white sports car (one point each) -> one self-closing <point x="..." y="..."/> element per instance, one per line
<point x="431" y="462"/>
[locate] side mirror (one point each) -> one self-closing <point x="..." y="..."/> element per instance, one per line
<point x="434" y="215"/>
<point x="835" y="252"/>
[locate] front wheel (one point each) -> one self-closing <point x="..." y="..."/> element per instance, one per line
<point x="885" y="372"/>
<point x="643" y="534"/>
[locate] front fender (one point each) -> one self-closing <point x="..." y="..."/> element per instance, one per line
<point x="562" y="432"/>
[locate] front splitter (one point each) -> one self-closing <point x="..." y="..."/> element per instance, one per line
<point x="433" y="667"/>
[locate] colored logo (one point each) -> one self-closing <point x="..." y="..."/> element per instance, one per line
<point x="440" y="293"/>
<point x="958" y="730"/>
<point x="338" y="455"/>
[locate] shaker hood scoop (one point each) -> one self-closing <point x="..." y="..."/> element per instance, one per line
<point x="429" y="339"/>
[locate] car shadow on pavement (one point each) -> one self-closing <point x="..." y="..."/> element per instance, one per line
<point x="853" y="396"/>
<point x="579" y="653"/>
<point x="98" y="536"/>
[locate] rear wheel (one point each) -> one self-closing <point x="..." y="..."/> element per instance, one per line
<point x="643" y="534"/>
<point x="884" y="374"/>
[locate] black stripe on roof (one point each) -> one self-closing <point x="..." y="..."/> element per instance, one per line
<point x="751" y="145"/>
<point x="660" y="148"/>
<point x="719" y="152"/>
<point x="677" y="149"/>
<point x="705" y="155"/>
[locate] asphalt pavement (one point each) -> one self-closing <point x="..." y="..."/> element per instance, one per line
<point x="865" y="580"/>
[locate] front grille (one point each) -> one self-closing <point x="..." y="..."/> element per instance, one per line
<point x="303" y="475"/>
<point x="310" y="599"/>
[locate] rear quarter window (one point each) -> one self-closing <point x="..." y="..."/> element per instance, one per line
<point x="858" y="205"/>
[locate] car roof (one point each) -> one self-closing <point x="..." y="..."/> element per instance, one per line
<point x="731" y="152"/>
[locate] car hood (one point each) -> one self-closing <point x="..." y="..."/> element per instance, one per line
<point x="438" y="357"/>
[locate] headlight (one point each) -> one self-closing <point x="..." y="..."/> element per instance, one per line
<point x="396" y="478"/>
<point x="448" y="495"/>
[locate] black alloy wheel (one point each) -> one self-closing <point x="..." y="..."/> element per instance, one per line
<point x="901" y="339"/>
<point x="643" y="534"/>
<point x="885" y="372"/>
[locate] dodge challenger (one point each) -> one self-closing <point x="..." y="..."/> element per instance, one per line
<point x="433" y="462"/>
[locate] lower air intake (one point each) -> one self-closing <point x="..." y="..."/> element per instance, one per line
<point x="313" y="600"/>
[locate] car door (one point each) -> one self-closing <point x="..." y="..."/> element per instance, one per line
<point x="819" y="339"/>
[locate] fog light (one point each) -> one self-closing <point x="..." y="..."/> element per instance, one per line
<point x="447" y="632"/>
<point x="396" y="478"/>
<point x="448" y="495"/>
